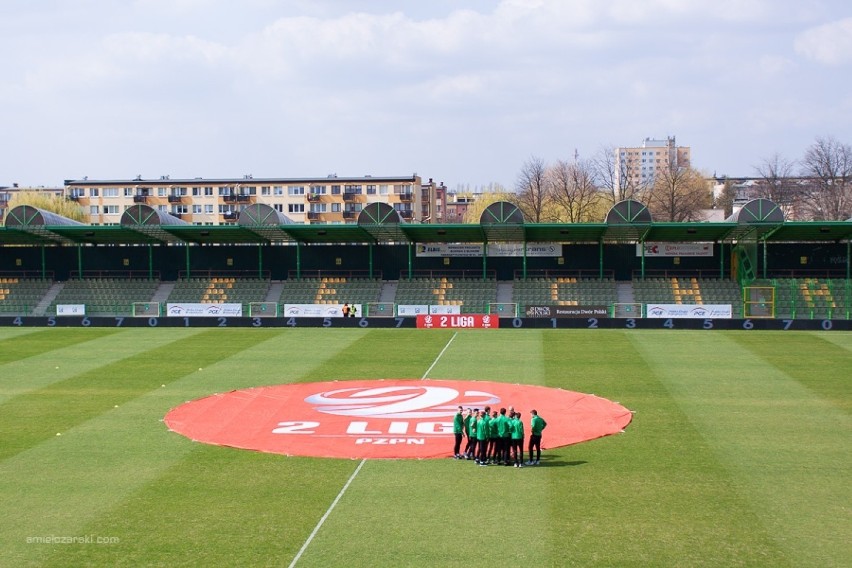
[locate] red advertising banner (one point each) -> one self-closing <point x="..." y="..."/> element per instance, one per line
<point x="466" y="321"/>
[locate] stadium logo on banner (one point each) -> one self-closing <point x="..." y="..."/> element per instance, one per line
<point x="382" y="418"/>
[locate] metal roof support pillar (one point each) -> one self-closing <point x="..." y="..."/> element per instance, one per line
<point x="764" y="259"/>
<point x="187" y="261"/>
<point x="484" y="259"/>
<point x="600" y="260"/>
<point x="298" y="260"/>
<point x="524" y="273"/>
<point x="721" y="261"/>
<point x="642" y="243"/>
<point x="260" y="260"/>
<point x="79" y="262"/>
<point x="150" y="262"/>
<point x="44" y="263"/>
<point x="370" y="251"/>
<point x="409" y="261"/>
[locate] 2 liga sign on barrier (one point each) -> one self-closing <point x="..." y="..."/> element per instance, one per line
<point x="456" y="321"/>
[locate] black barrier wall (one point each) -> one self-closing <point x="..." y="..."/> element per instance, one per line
<point x="744" y="325"/>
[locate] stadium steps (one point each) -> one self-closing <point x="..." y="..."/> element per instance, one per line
<point x="505" y="290"/>
<point x="163" y="291"/>
<point x="624" y="291"/>
<point x="49" y="297"/>
<point x="275" y="289"/>
<point x="388" y="291"/>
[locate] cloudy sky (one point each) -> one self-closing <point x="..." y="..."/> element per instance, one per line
<point x="460" y="91"/>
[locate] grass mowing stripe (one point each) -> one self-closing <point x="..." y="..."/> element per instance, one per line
<point x="377" y="352"/>
<point x="55" y="365"/>
<point x="327" y="513"/>
<point x="787" y="449"/>
<point x="35" y="416"/>
<point x="124" y="474"/>
<point x="831" y="383"/>
<point x="31" y="344"/>
<point x="655" y="495"/>
<point x="492" y="355"/>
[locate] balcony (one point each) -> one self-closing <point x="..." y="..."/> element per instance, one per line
<point x="350" y="214"/>
<point x="313" y="216"/>
<point x="406" y="197"/>
<point x="231" y="215"/>
<point x="313" y="197"/>
<point x="243" y="198"/>
<point x="229" y="198"/>
<point x="406" y="214"/>
<point x="140" y="199"/>
<point x="175" y="198"/>
<point x="176" y="214"/>
<point x="350" y="196"/>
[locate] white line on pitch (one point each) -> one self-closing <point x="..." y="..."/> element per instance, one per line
<point x="435" y="362"/>
<point x="327" y="513"/>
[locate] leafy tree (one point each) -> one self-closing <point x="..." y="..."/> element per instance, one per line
<point x="49" y="202"/>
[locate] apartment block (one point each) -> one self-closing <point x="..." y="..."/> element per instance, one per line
<point x="200" y="201"/>
<point x="637" y="166"/>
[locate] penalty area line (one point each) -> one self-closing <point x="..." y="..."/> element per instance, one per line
<point x="435" y="362"/>
<point x="327" y="513"/>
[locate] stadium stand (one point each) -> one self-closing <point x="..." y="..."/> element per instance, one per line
<point x="472" y="295"/>
<point x="105" y="296"/>
<point x="676" y="290"/>
<point x="21" y="295"/>
<point x="564" y="291"/>
<point x="220" y="290"/>
<point x="809" y="298"/>
<point x="340" y="289"/>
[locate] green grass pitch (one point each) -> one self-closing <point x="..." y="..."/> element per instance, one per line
<point x="739" y="453"/>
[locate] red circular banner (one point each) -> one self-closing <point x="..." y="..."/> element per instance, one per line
<point x="382" y="418"/>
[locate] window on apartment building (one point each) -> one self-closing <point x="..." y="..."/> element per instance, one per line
<point x="371" y="189"/>
<point x="196" y="209"/>
<point x="129" y="192"/>
<point x="318" y="207"/>
<point x="279" y="207"/>
<point x="383" y="189"/>
<point x="352" y="188"/>
<point x="295" y="207"/>
<point x="296" y="190"/>
<point x="278" y="190"/>
<point x="265" y="190"/>
<point x="94" y="192"/>
<point x="164" y="208"/>
<point x="317" y="190"/>
<point x="110" y="192"/>
<point x="162" y="191"/>
<point x="226" y="208"/>
<point x="110" y="209"/>
<point x="249" y="190"/>
<point x="208" y="208"/>
<point x="335" y="190"/>
<point x="93" y="209"/>
<point x="335" y="207"/>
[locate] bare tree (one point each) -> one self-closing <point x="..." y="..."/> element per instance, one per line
<point x="678" y="194"/>
<point x="615" y="175"/>
<point x="574" y="190"/>
<point x="725" y="200"/>
<point x="532" y="196"/>
<point x="778" y="183"/>
<point x="828" y="165"/>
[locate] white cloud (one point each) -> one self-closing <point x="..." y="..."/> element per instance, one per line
<point x="830" y="44"/>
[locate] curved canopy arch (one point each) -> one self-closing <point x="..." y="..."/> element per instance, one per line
<point x="629" y="212"/>
<point x="145" y="215"/>
<point x="24" y="216"/>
